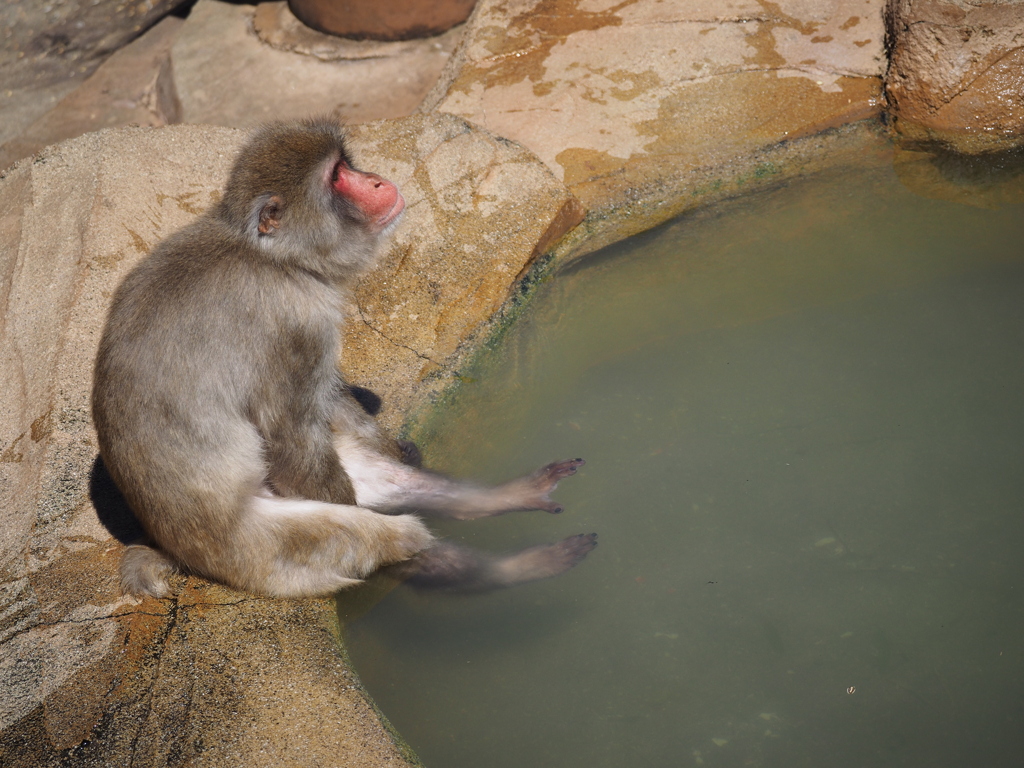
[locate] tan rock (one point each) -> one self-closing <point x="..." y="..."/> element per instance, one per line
<point x="211" y="677"/>
<point x="479" y="211"/>
<point x="226" y="75"/>
<point x="631" y="103"/>
<point x="957" y="72"/>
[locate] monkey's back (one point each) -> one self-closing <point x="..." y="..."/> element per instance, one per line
<point x="201" y="330"/>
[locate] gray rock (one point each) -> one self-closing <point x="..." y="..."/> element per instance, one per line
<point x="133" y="86"/>
<point x="47" y="49"/>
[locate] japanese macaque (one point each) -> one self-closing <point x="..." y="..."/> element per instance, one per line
<point x="223" y="419"/>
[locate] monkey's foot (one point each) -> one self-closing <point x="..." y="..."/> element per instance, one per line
<point x="544" y="561"/>
<point x="556" y="470"/>
<point x="411" y="455"/>
<point x="535" y="488"/>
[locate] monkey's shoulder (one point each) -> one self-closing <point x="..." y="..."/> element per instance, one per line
<point x="202" y="261"/>
<point x="205" y="246"/>
<point x="203" y="288"/>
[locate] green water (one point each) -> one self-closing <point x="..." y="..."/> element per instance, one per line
<point x="803" y="417"/>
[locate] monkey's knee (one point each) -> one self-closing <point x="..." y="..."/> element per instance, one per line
<point x="313" y="548"/>
<point x="144" y="572"/>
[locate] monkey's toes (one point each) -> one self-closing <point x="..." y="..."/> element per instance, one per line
<point x="546" y="480"/>
<point x="567" y="553"/>
<point x="575" y="548"/>
<point x="547" y="477"/>
<point x="556" y="470"/>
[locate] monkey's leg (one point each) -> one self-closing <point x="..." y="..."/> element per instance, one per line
<point x="386" y="485"/>
<point x="298" y="548"/>
<point x="453" y="568"/>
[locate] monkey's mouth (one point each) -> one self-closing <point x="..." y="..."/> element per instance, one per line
<point x="396" y="210"/>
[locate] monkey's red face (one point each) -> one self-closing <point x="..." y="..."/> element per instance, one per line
<point x="376" y="198"/>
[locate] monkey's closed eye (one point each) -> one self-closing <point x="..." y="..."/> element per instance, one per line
<point x="341" y="166"/>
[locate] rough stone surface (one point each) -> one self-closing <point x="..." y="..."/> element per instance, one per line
<point x="212" y="677"/>
<point x="629" y="101"/>
<point x="479" y="210"/>
<point x="47" y="49"/>
<point x="957" y="72"/>
<point x="226" y="75"/>
<point x="133" y="86"/>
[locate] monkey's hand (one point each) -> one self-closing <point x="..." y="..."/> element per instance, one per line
<point x="533" y="490"/>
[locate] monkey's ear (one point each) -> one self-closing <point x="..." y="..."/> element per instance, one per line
<point x="270" y="213"/>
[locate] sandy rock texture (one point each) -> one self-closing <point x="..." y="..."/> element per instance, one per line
<point x="957" y="72"/>
<point x="479" y="211"/>
<point x="645" y="108"/>
<point x="211" y="677"/>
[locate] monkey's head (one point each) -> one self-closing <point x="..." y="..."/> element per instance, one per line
<point x="294" y="193"/>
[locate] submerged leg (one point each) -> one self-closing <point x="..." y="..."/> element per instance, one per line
<point x="453" y="568"/>
<point x="386" y="485"/>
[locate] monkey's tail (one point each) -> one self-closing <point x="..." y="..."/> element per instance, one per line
<point x="144" y="571"/>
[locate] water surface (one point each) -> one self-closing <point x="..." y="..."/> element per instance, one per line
<point x="803" y="420"/>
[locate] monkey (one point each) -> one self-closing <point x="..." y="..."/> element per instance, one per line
<point x="223" y="419"/>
